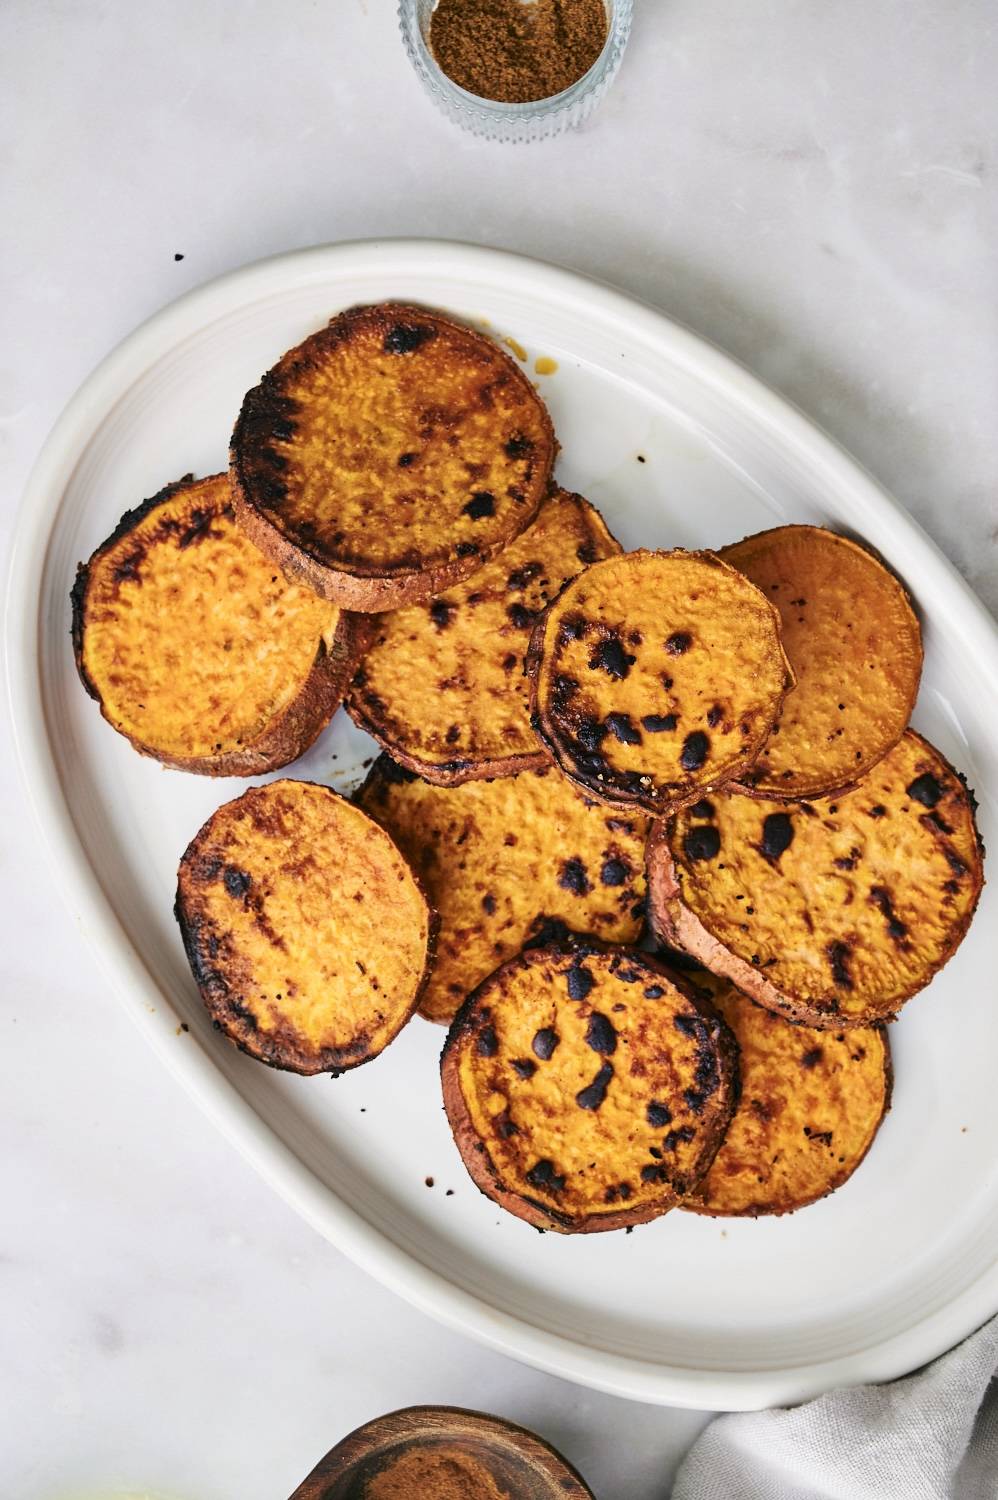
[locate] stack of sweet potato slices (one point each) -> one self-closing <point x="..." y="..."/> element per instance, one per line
<point x="586" y="752"/>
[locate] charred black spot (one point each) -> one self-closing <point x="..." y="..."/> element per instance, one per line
<point x="812" y="1058"/>
<point x="518" y="446"/>
<point x="564" y="688"/>
<point x="520" y="616"/>
<point x="702" y="809"/>
<point x="715" y="715"/>
<point x="523" y="1067"/>
<point x="405" y="459"/>
<point x="547" y="930"/>
<point x="489" y="903"/>
<point x="544" y="1043"/>
<point x="572" y="628"/>
<point x="542" y="1175"/>
<point x="679" y="643"/>
<point x="199" y="528"/>
<point x="925" y="789"/>
<point x="622" y="728"/>
<point x="520" y="577"/>
<point x="237" y="882"/>
<point x="702" y="843"/>
<point x="488" y="1042"/>
<point x="404" y="338"/>
<point x="694" y="1100"/>
<point x="601" y="1035"/>
<point x="777" y="835"/>
<point x="653" y="992"/>
<point x="880" y="898"/>
<point x="453" y="734"/>
<point x="591" y="734"/>
<point x="481" y="504"/>
<point x="838" y="956"/>
<point x="505" y="1126"/>
<point x="586" y="553"/>
<point x="592" y="1096"/>
<point x="685" y="1133"/>
<point x="654" y="1172"/>
<point x="466" y="549"/>
<point x="659" y="723"/>
<point x="658" y="1115"/>
<point x="879" y="811"/>
<point x="441" y="613"/>
<point x="938" y="822"/>
<point x="580" y="982"/>
<point x="573" y="877"/>
<point x="614" y="872"/>
<point x="610" y="657"/>
<point x="393" y="773"/>
<point x="509" y="661"/>
<point x="694" y="751"/>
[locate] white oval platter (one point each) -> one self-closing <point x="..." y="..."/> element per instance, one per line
<point x="868" y="1284"/>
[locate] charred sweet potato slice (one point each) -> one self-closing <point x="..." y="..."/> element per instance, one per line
<point x="855" y="646"/>
<point x="195" y="646"/>
<point x="585" y="1089"/>
<point x="442" y="685"/>
<point x="306" y="931"/>
<point x="389" y="456"/>
<point x="506" y="861"/>
<point x="656" y="676"/>
<point x="811" y="1103"/>
<point x="833" y="912"/>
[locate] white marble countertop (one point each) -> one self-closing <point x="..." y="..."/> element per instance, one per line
<point x="814" y="188"/>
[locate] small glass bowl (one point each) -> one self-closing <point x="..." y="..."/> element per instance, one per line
<point x="539" y="119"/>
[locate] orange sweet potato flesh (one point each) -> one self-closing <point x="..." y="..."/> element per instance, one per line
<point x="503" y="860"/>
<point x="587" y="1091"/>
<point x="389" y="456"/>
<point x="811" y="1103"/>
<point x="306" y="931"/>
<point x="855" y="646"/>
<point x="655" y="676"/>
<point x="195" y="646"/>
<point x="442" y="685"/>
<point x="832" y="912"/>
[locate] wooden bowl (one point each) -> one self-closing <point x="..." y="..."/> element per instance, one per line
<point x="522" y="1466"/>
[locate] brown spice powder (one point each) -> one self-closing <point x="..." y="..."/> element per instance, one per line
<point x="435" y="1470"/>
<point x="515" y="51"/>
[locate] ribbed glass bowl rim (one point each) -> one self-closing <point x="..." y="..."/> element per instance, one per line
<point x="495" y="110"/>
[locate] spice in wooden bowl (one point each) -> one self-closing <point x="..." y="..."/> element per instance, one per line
<point x="517" y="51"/>
<point x="440" y="1471"/>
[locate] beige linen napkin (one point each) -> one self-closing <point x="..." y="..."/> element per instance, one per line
<point x="930" y="1436"/>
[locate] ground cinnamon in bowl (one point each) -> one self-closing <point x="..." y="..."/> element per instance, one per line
<point x="434" y="1470"/>
<point x="517" y="51"/>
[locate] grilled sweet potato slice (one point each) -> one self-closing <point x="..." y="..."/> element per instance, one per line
<point x="502" y="861"/>
<point x="194" y="645"/>
<point x="585" y="1089"/>
<point x="389" y="456"/>
<point x="833" y="912"/>
<point x="811" y="1103"/>
<point x="656" y="676"/>
<point x="855" y="646"/>
<point x="307" y="933"/>
<point x="442" y="685"/>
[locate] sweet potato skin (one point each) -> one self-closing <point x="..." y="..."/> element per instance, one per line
<point x="649" y="1038"/>
<point x="441" y="687"/>
<point x="282" y="735"/>
<point x="389" y="456"/>
<point x="848" y="905"/>
<point x="656" y="676"/>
